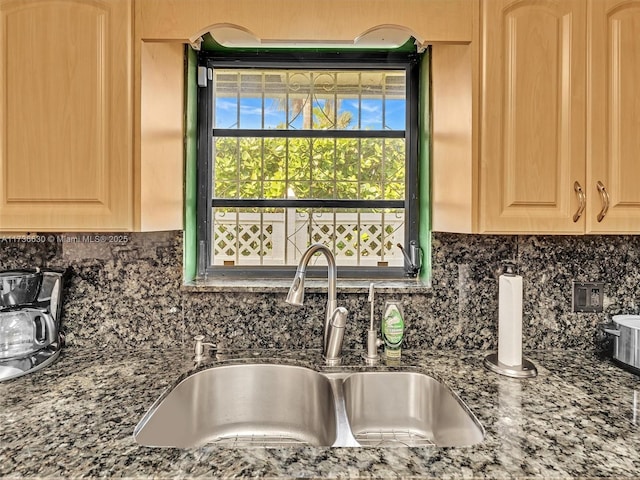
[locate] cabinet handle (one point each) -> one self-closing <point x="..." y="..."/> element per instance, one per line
<point x="604" y="196"/>
<point x="582" y="201"/>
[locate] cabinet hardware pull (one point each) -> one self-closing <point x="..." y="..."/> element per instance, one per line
<point x="582" y="203"/>
<point x="604" y="196"/>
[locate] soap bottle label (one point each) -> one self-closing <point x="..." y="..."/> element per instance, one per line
<point x="392" y="329"/>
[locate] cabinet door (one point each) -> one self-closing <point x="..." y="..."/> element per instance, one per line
<point x="613" y="154"/>
<point x="65" y="115"/>
<point x="533" y="115"/>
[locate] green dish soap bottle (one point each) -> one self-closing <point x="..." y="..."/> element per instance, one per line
<point x="392" y="330"/>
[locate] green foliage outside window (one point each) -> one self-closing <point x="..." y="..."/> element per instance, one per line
<point x="366" y="169"/>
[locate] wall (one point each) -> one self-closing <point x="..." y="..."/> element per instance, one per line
<point x="130" y="292"/>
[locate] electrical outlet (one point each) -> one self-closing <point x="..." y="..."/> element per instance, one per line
<point x="588" y="296"/>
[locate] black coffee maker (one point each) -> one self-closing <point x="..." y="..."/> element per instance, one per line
<point x="30" y="308"/>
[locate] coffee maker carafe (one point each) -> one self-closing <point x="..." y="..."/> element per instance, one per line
<point x="30" y="307"/>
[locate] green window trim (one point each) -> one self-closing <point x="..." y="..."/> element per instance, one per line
<point x="424" y="165"/>
<point x="424" y="154"/>
<point x="191" y="166"/>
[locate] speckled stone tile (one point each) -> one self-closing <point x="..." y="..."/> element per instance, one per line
<point x="122" y="288"/>
<point x="131" y="292"/>
<point x="17" y="253"/>
<point x="549" y="264"/>
<point x="459" y="311"/>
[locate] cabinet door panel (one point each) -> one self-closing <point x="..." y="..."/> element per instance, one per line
<point x="65" y="136"/>
<point x="532" y="133"/>
<point x="614" y="116"/>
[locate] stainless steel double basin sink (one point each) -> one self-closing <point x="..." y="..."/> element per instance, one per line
<point x="278" y="405"/>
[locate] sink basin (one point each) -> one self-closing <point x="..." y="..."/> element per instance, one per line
<point x="407" y="408"/>
<point x="279" y="405"/>
<point x="243" y="405"/>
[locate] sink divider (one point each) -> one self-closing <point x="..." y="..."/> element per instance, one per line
<point x="344" y="436"/>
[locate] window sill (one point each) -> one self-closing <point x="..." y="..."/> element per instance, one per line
<point x="311" y="285"/>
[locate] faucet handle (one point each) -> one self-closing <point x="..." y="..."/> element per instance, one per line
<point x="339" y="317"/>
<point x="335" y="336"/>
<point x="373" y="342"/>
<point x="414" y="261"/>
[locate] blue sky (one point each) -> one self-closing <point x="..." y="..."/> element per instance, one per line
<point x="251" y="113"/>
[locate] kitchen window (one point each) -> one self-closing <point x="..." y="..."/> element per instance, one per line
<point x="300" y="148"/>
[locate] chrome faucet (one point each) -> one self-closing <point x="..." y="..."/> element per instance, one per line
<point x="336" y="317"/>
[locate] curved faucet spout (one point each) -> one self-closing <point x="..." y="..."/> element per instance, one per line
<point x="296" y="292"/>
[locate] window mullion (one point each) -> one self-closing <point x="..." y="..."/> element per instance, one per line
<point x="287" y="184"/>
<point x="261" y="250"/>
<point x="383" y="236"/>
<point x="335" y="235"/>
<point x="237" y="237"/>
<point x="262" y="194"/>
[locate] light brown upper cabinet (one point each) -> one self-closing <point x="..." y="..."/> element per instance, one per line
<point x="533" y="115"/>
<point x="335" y="22"/>
<point x="560" y="150"/>
<point x="66" y="115"/>
<point x="535" y="123"/>
<point x="613" y="120"/>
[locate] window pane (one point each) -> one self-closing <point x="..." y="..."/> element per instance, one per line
<point x="274" y="113"/>
<point x="250" y="167"/>
<point x="250" y="113"/>
<point x="394" y="159"/>
<point x="250" y="162"/>
<point x="299" y="112"/>
<point x="250" y="189"/>
<point x="394" y="191"/>
<point x="300" y="189"/>
<point x="225" y="189"/>
<point x="275" y="159"/>
<point x="370" y="190"/>
<point x="250" y="100"/>
<point x="245" y="236"/>
<point x="394" y="113"/>
<point x="274" y="190"/>
<point x="318" y="99"/>
<point x="299" y="158"/>
<point x="371" y="168"/>
<point x="273" y="236"/>
<point x="371" y="111"/>
<point x="324" y="164"/>
<point x="323" y="159"/>
<point x="225" y="100"/>
<point x="319" y="168"/>
<point x="347" y="160"/>
<point x="348" y="112"/>
<point x="226" y="153"/>
<point x="322" y="189"/>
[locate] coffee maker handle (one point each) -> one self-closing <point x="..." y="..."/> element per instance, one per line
<point x="45" y="329"/>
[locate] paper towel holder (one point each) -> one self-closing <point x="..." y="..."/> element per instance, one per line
<point x="509" y="267"/>
<point x="524" y="370"/>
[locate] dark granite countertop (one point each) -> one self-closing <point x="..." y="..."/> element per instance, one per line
<point x="76" y="418"/>
<point x="312" y="285"/>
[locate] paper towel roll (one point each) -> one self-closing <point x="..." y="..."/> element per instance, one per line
<point x="510" y="320"/>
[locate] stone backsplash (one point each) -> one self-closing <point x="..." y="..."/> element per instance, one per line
<point x="128" y="291"/>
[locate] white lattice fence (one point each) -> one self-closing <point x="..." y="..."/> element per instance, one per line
<point x="280" y="238"/>
<point x="363" y="239"/>
<point x="248" y="238"/>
